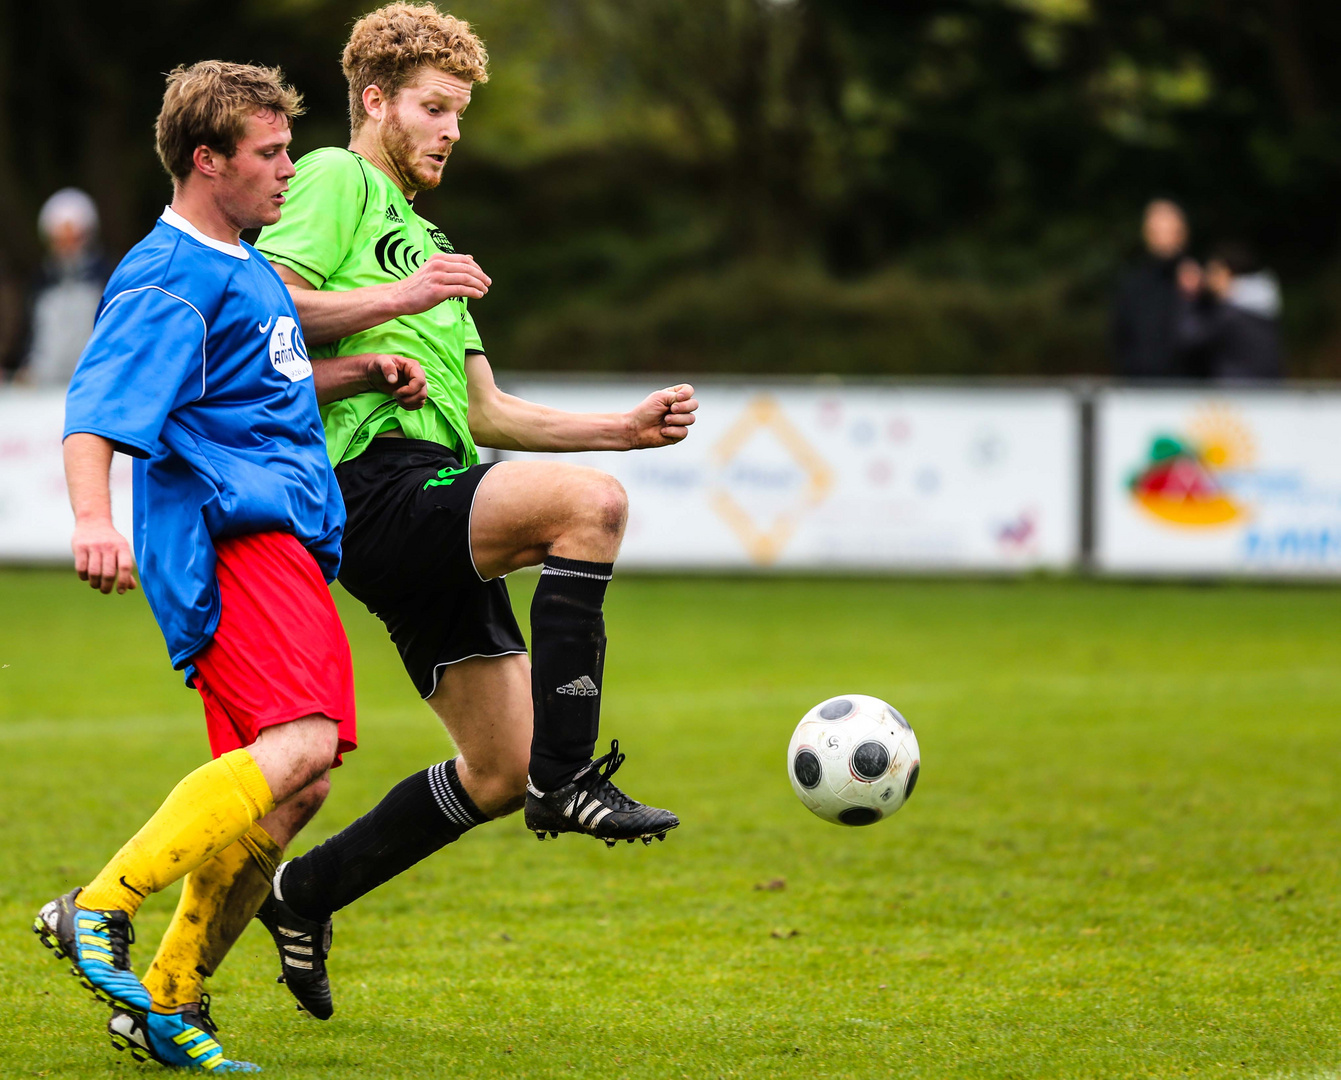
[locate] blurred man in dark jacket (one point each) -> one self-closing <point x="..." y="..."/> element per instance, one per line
<point x="11" y="320"/>
<point x="1146" y="307"/>
<point x="1228" y="323"/>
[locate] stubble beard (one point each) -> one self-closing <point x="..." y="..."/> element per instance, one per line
<point x="404" y="155"/>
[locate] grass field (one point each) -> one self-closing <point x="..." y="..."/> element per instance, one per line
<point x="1121" y="860"/>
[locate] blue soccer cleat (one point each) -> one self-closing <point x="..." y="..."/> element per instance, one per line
<point x="180" y="1040"/>
<point x="97" y="944"/>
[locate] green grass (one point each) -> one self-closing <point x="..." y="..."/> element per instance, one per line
<point x="1121" y="859"/>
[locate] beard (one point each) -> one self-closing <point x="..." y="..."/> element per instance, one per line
<point x="405" y="156"/>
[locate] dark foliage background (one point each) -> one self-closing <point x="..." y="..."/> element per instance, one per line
<point x="762" y="185"/>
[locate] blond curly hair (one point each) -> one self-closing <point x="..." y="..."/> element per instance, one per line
<point x="387" y="47"/>
<point x="208" y="103"/>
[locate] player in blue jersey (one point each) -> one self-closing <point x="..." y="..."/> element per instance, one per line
<point x="197" y="368"/>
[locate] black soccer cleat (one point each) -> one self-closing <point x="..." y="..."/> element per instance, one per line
<point x="590" y="804"/>
<point x="303" y="947"/>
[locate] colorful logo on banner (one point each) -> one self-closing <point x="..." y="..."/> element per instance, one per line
<point x="1182" y="481"/>
<point x="765" y="529"/>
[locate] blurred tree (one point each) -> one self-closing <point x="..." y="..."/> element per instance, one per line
<point x="933" y="185"/>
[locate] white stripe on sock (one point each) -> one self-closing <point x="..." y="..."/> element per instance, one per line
<point x="452" y="808"/>
<point x="574" y="573"/>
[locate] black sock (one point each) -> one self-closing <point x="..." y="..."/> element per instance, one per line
<point x="421" y="814"/>
<point x="567" y="659"/>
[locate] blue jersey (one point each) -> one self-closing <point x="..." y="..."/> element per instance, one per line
<point x="197" y="367"/>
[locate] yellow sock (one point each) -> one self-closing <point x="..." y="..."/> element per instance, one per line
<point x="205" y="813"/>
<point x="218" y="900"/>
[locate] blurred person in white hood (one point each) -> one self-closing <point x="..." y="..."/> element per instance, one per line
<point x="66" y="295"/>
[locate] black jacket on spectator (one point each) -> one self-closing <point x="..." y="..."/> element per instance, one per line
<point x="1233" y="338"/>
<point x="1144" y="329"/>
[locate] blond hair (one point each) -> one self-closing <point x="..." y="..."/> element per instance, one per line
<point x="208" y="103"/>
<point x="387" y="47"/>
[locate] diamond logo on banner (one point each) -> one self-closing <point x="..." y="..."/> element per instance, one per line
<point x="768" y="476"/>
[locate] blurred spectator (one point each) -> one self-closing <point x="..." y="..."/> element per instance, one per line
<point x="66" y="296"/>
<point x="11" y="320"/>
<point x="1228" y="325"/>
<point x="1145" y="309"/>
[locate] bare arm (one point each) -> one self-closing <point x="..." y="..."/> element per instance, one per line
<point x="102" y="555"/>
<point x="339" y="377"/>
<point x="509" y="423"/>
<point x="330" y="316"/>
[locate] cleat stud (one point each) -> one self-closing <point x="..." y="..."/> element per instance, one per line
<point x="630" y="840"/>
<point x="646" y="840"/>
<point x="554" y="834"/>
<point x="539" y="835"/>
<point x="661" y="836"/>
<point x="609" y="843"/>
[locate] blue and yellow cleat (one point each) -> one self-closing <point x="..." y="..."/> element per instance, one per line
<point x="180" y="1040"/>
<point x="97" y="944"/>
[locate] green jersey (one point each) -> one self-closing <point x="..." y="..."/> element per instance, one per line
<point x="346" y="225"/>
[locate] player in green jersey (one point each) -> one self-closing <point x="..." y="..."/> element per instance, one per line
<point x="431" y="531"/>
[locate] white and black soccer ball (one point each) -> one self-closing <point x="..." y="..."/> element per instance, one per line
<point x="853" y="760"/>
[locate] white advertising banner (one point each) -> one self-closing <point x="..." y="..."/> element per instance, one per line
<point x="846" y="477"/>
<point x="35" y="516"/>
<point x="1236" y="482"/>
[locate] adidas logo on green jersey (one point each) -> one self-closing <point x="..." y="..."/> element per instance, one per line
<point x="392" y="215"/>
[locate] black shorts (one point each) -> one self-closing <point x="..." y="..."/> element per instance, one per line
<point x="407" y="557"/>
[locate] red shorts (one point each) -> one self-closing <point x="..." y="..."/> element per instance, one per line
<point x="280" y="652"/>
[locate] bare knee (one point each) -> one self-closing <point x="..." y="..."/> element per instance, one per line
<point x="609" y="505"/>
<point x="291" y="816"/>
<point x="496" y="786"/>
<point x="312" y="764"/>
<point x="296" y="755"/>
<point x="308" y="801"/>
<point x="596" y="518"/>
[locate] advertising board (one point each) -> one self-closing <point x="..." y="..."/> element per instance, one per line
<point x="35" y="516"/>
<point x="846" y="477"/>
<point x="1245" y="482"/>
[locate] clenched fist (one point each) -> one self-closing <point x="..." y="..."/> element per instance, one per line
<point x="663" y="417"/>
<point x="441" y="278"/>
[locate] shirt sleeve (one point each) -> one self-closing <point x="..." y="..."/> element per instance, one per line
<point x="145" y="357"/>
<point x="473" y="342"/>
<point x="316" y="230"/>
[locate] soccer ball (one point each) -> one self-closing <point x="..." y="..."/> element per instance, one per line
<point x="853" y="760"/>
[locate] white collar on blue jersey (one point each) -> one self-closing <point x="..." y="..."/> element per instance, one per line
<point x="171" y="217"/>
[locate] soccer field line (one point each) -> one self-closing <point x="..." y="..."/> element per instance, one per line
<point x="1109" y="684"/>
<point x="48" y="728"/>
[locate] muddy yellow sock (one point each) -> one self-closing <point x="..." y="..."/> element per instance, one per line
<point x="218" y="900"/>
<point x="205" y="813"/>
